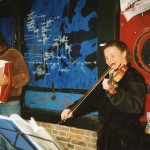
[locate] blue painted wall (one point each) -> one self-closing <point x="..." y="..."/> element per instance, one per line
<point x="44" y="100"/>
<point x="62" y="44"/>
<point x="61" y="38"/>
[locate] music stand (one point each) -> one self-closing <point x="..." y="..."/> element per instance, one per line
<point x="25" y="135"/>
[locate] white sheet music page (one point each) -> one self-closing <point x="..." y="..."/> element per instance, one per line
<point x="37" y="134"/>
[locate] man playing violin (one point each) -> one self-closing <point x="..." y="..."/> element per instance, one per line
<point x="119" y="111"/>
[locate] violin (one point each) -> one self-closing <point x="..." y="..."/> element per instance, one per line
<point x="88" y="92"/>
<point x="115" y="79"/>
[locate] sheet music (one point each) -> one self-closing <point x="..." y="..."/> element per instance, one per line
<point x="40" y="138"/>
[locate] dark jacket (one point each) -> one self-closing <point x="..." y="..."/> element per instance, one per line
<point x="119" y="127"/>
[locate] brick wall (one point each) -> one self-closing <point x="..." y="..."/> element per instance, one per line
<point x="72" y="138"/>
